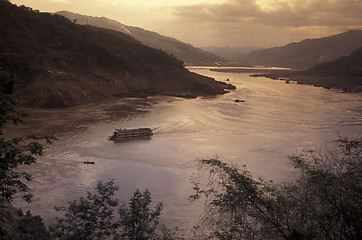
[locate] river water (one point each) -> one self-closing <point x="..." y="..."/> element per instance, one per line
<point x="276" y="120"/>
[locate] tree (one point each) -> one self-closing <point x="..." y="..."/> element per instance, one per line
<point x="323" y="202"/>
<point x="90" y="218"/>
<point x="16" y="151"/>
<point x="93" y="217"/>
<point x="328" y="192"/>
<point x="138" y="221"/>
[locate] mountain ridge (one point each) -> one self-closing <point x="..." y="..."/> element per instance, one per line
<point x="344" y="73"/>
<point x="59" y="63"/>
<point x="230" y="53"/>
<point x="183" y="51"/>
<point x="308" y="52"/>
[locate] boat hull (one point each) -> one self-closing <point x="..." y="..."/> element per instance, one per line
<point x="130" y="138"/>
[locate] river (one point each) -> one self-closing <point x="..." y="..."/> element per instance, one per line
<point x="275" y="120"/>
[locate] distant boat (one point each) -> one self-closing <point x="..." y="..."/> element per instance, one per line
<point x="238" y="100"/>
<point x="88" y="162"/>
<point x="121" y="134"/>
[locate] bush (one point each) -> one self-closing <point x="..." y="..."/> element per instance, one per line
<point x="93" y="217"/>
<point x="323" y="202"/>
<point x="16" y="151"/>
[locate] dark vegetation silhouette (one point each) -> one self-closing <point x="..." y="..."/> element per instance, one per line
<point x="324" y="201"/>
<point x="15" y="152"/>
<point x="94" y="217"/>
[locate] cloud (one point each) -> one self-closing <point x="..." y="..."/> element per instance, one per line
<point x="290" y="19"/>
<point x="295" y="13"/>
<point x="59" y="1"/>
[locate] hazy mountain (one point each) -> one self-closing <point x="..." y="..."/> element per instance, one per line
<point x="59" y="63"/>
<point x="309" y="52"/>
<point x="185" y="52"/>
<point x="344" y="73"/>
<point x="234" y="54"/>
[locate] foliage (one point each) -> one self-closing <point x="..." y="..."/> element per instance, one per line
<point x="8" y="102"/>
<point x="17" y="151"/>
<point x="93" y="217"/>
<point x="323" y="202"/>
<point x="139" y="221"/>
<point x="329" y="190"/>
<point x="90" y="218"/>
<point x="14" y="153"/>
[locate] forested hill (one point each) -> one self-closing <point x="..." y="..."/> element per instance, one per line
<point x="60" y="63"/>
<point x="309" y="52"/>
<point x="344" y="66"/>
<point x="183" y="51"/>
<point x="344" y="73"/>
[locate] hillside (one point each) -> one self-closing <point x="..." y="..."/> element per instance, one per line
<point x="59" y="63"/>
<point x="307" y="53"/>
<point x="185" y="52"/>
<point x="344" y="73"/>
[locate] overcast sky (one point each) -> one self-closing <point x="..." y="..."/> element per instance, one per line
<point x="241" y="23"/>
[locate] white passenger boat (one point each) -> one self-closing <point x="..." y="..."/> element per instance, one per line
<point x="120" y="134"/>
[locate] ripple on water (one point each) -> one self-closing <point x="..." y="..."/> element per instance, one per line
<point x="275" y="120"/>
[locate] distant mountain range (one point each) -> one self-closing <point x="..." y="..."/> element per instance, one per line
<point x="307" y="53"/>
<point x="183" y="51"/>
<point x="59" y="63"/>
<point x="234" y="54"/>
<point x="344" y="73"/>
<point x="301" y="55"/>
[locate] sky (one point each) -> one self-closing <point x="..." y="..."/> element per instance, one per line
<point x="232" y="23"/>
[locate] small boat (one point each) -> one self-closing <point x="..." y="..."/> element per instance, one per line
<point x="120" y="134"/>
<point x="89" y="162"/>
<point x="238" y="100"/>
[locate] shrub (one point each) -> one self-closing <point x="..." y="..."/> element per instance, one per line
<point x="323" y="202"/>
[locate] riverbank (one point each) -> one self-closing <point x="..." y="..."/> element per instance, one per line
<point x="344" y="83"/>
<point x="344" y="73"/>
